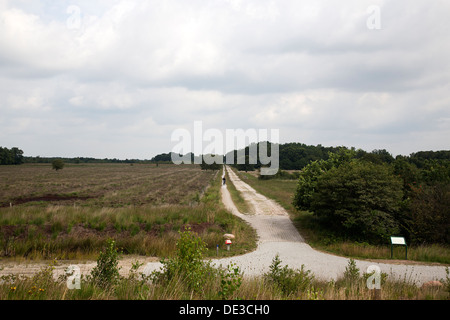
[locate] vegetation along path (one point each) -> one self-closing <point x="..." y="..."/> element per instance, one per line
<point x="277" y="235"/>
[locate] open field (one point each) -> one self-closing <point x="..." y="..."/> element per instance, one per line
<point x="104" y="185"/>
<point x="70" y="214"/>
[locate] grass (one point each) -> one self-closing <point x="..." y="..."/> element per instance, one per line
<point x="283" y="191"/>
<point x="236" y="196"/>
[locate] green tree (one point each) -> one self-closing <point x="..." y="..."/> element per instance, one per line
<point x="11" y="156"/>
<point x="359" y="198"/>
<point x="307" y="181"/>
<point x="428" y="218"/>
<point x="58" y="164"/>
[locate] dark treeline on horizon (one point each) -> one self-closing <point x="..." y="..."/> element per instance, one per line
<point x="292" y="156"/>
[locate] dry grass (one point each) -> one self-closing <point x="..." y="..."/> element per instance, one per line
<point x="142" y="207"/>
<point x="105" y="185"/>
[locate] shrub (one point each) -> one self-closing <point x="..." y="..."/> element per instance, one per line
<point x="57" y="164"/>
<point x="187" y="263"/>
<point x="351" y="273"/>
<point x="360" y="199"/>
<point x="288" y="280"/>
<point x="231" y="280"/>
<point x="106" y="273"/>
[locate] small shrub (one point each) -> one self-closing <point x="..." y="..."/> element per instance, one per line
<point x="351" y="274"/>
<point x="106" y="273"/>
<point x="187" y="263"/>
<point x="288" y="280"/>
<point x="231" y="280"/>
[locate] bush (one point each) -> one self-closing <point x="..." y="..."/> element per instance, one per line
<point x="288" y="280"/>
<point x="57" y="164"/>
<point x="231" y="280"/>
<point x="106" y="273"/>
<point x="360" y="199"/>
<point x="187" y="263"/>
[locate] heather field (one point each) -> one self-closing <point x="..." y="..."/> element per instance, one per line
<point x="104" y="185"/>
<point x="71" y="213"/>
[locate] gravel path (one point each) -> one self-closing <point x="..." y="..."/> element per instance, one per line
<point x="277" y="235"/>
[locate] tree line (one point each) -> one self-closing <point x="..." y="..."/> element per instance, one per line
<point x="11" y="156"/>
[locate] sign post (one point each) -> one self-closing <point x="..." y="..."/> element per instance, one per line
<point x="228" y="243"/>
<point x="399" y="241"/>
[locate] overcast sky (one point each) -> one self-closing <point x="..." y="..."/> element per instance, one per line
<point x="114" y="79"/>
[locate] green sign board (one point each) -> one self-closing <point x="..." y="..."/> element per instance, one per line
<point x="399" y="241"/>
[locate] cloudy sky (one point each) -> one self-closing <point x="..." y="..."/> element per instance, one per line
<point x="112" y="78"/>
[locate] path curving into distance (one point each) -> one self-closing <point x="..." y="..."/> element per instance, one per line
<point x="277" y="235"/>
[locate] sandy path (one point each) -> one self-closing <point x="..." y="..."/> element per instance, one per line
<point x="277" y="235"/>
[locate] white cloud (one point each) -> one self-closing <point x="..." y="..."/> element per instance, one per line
<point x="116" y="74"/>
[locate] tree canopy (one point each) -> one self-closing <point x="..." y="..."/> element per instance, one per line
<point x="11" y="156"/>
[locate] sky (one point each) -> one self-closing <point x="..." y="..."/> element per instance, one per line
<point x="115" y="79"/>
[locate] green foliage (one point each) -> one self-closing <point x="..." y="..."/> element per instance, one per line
<point x="57" y="164"/>
<point x="231" y="280"/>
<point x="308" y="177"/>
<point x="11" y="156"/>
<point x="369" y="196"/>
<point x="360" y="198"/>
<point x="429" y="219"/>
<point x="351" y="273"/>
<point x="212" y="166"/>
<point x="288" y="280"/>
<point x="187" y="263"/>
<point x="307" y="185"/>
<point x="106" y="273"/>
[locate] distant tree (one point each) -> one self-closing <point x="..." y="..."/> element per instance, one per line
<point x="58" y="164"/>
<point x="11" y="156"/>
<point x="212" y="166"/>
